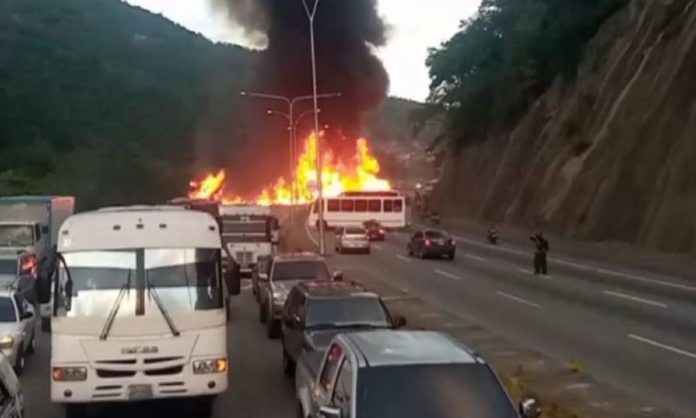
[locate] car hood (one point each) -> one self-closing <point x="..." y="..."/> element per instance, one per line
<point x="9" y="328"/>
<point x="284" y="286"/>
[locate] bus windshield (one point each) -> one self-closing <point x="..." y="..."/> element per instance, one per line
<point x="185" y="279"/>
<point x="16" y="236"/>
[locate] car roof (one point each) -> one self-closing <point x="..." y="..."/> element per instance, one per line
<point x="334" y="289"/>
<point x="390" y="348"/>
<point x="298" y="256"/>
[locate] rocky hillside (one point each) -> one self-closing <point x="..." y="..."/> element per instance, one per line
<point x="608" y="155"/>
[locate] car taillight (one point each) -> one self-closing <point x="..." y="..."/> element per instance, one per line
<point x="28" y="264"/>
<point x="381" y="231"/>
<point x="453" y="241"/>
<point x="428" y="243"/>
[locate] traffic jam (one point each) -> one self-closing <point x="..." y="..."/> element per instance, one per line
<point x="137" y="303"/>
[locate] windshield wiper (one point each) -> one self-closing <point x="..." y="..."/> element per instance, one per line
<point x="114" y="309"/>
<point x="162" y="309"/>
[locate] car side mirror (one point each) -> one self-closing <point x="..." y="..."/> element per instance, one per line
<point x="338" y="276"/>
<point x="27" y="315"/>
<point x="399" y="322"/>
<point x="329" y="412"/>
<point x="530" y="408"/>
<point x="233" y="281"/>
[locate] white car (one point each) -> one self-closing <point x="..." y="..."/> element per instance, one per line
<point x="352" y="239"/>
<point x="17" y="329"/>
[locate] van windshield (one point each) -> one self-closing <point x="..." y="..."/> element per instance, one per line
<point x="16" y="236"/>
<point x="184" y="279"/>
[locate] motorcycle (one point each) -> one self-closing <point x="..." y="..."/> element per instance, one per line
<point x="493" y="238"/>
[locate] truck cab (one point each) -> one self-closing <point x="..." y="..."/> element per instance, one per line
<point x="405" y="374"/>
<point x="248" y="233"/>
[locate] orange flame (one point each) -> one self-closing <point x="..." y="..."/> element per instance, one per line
<point x="359" y="173"/>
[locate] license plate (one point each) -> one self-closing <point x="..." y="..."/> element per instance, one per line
<point x="139" y="392"/>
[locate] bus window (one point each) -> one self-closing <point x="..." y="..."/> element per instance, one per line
<point x="334" y="205"/>
<point x="388" y="205"/>
<point x="374" y="205"/>
<point x="347" y="205"/>
<point x="398" y="206"/>
<point x="361" y="205"/>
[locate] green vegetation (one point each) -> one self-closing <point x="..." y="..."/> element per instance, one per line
<point x="486" y="76"/>
<point x="102" y="100"/>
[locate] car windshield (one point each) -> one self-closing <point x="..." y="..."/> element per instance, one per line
<point x="16" y="236"/>
<point x="435" y="234"/>
<point x="300" y="270"/>
<point x="433" y="391"/>
<point x="185" y="279"/>
<point x="8" y="266"/>
<point x="348" y="311"/>
<point x="7" y="310"/>
<point x="354" y="231"/>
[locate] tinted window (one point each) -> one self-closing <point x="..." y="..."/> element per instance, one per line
<point x="388" y="206"/>
<point x="398" y="206"/>
<point x="346" y="312"/>
<point x="334" y="205"/>
<point x="347" y="205"/>
<point x="361" y="205"/>
<point x="435" y="234"/>
<point x="16" y="236"/>
<point x="433" y="391"/>
<point x="355" y="231"/>
<point x="7" y="310"/>
<point x="374" y="205"/>
<point x="301" y="270"/>
<point x="8" y="267"/>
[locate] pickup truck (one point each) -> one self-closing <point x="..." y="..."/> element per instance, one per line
<point x="401" y="374"/>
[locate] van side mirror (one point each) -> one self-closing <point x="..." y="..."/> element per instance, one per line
<point x="27" y="315"/>
<point x="338" y="276"/>
<point x="233" y="280"/>
<point x="530" y="408"/>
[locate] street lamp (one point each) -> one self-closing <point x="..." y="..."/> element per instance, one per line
<point x="311" y="14"/>
<point x="291" y="102"/>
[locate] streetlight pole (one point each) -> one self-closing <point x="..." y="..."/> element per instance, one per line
<point x="291" y="102"/>
<point x="311" y="14"/>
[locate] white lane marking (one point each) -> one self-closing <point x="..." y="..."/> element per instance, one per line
<point x="662" y="346"/>
<point x="309" y="234"/>
<point x="403" y="258"/>
<point x="519" y="299"/>
<point x="634" y="298"/>
<point x="578" y="266"/>
<point x="525" y="271"/>
<point x="474" y="257"/>
<point x="448" y="275"/>
<point x="377" y="246"/>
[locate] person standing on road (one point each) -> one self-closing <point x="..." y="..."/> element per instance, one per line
<point x="540" y="253"/>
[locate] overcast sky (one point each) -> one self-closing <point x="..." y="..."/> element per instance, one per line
<point x="416" y="25"/>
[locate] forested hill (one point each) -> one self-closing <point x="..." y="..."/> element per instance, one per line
<point x="101" y="99"/>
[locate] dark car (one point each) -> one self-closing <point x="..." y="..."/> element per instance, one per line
<point x="431" y="243"/>
<point x="375" y="230"/>
<point x="318" y="310"/>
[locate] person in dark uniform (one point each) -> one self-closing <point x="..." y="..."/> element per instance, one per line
<point x="540" y="254"/>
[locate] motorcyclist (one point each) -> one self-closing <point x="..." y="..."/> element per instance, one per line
<point x="493" y="234"/>
<point x="540" y="253"/>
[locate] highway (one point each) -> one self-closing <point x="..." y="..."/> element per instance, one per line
<point x="258" y="387"/>
<point x="634" y="332"/>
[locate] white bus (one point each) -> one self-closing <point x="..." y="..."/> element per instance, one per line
<point x="353" y="209"/>
<point x="139" y="309"/>
<point x="248" y="232"/>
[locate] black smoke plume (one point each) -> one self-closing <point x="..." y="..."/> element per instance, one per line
<point x="347" y="31"/>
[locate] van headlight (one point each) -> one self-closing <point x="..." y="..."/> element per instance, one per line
<point x="69" y="374"/>
<point x="7" y="342"/>
<point x="210" y="366"/>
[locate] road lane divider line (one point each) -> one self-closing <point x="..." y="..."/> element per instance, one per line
<point x="518" y="299"/>
<point x="403" y="258"/>
<point x="448" y="275"/>
<point x="653" y="343"/>
<point x="634" y="298"/>
<point x="474" y="257"/>
<point x="525" y="271"/>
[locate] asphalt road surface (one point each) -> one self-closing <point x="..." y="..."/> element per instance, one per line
<point x="634" y="332"/>
<point x="258" y="388"/>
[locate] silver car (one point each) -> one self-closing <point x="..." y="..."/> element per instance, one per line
<point x="352" y="239"/>
<point x="17" y="328"/>
<point x="18" y="270"/>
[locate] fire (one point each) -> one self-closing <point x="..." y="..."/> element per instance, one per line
<point x="358" y="173"/>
